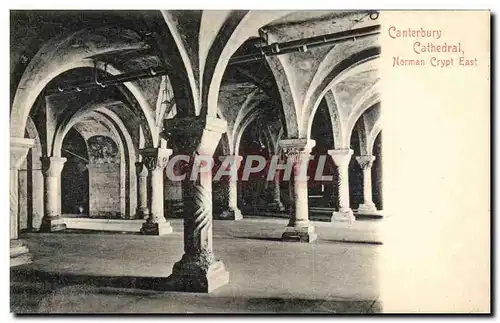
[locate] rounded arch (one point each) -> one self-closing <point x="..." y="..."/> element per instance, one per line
<point x="377" y="128"/>
<point x="357" y="62"/>
<point x="250" y="117"/>
<point x="72" y="51"/>
<point x="368" y="100"/>
<point x="288" y="99"/>
<point x="67" y="123"/>
<point x="252" y="100"/>
<point x="237" y="28"/>
<point x="66" y="52"/>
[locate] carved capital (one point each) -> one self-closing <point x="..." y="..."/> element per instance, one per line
<point x="52" y="166"/>
<point x="141" y="170"/>
<point x="156" y="158"/>
<point x="297" y="150"/>
<point x="366" y="161"/>
<point x="194" y="135"/>
<point x="341" y="157"/>
<point x="19" y="148"/>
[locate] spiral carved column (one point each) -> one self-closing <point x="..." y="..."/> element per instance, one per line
<point x="366" y="163"/>
<point x="297" y="152"/>
<point x="275" y="202"/>
<point x="19" y="252"/>
<point x="341" y="159"/>
<point x="230" y="188"/>
<point x="198" y="270"/>
<point x="51" y="169"/>
<point x="156" y="160"/>
<point x="142" y="211"/>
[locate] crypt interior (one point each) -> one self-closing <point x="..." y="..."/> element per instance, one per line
<point x="102" y="100"/>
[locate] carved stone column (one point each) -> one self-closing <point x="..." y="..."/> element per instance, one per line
<point x="297" y="153"/>
<point x="230" y="189"/>
<point x="275" y="203"/>
<point x="155" y="160"/>
<point x="19" y="252"/>
<point x="341" y="159"/>
<point x="366" y="163"/>
<point x="51" y="169"/>
<point x="142" y="211"/>
<point x="198" y="270"/>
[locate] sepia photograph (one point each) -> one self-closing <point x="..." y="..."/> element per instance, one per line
<point x="203" y="161"/>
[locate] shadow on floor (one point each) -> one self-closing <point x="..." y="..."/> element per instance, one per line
<point x="34" y="291"/>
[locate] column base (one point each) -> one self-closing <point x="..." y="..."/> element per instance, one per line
<point x="175" y="208"/>
<point x="192" y="276"/>
<point x="142" y="214"/>
<point x="276" y="206"/>
<point x="343" y="215"/>
<point x="52" y="225"/>
<point x="19" y="253"/>
<point x="156" y="229"/>
<point x="231" y="214"/>
<point x="299" y="234"/>
<point x="367" y="208"/>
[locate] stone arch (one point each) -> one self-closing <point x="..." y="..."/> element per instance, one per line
<point x="175" y="37"/>
<point x="355" y="63"/>
<point x="288" y="99"/>
<point x="238" y="27"/>
<point x="336" y="117"/>
<point x="249" y="118"/>
<point x="368" y="100"/>
<point x="131" y="156"/>
<point x="377" y="128"/>
<point x="360" y="129"/>
<point x="62" y="54"/>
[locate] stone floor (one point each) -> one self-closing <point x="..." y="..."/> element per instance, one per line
<point x="89" y="272"/>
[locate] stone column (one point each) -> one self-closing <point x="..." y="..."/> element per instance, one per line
<point x="230" y="190"/>
<point x="142" y="211"/>
<point x="297" y="153"/>
<point x="275" y="204"/>
<point x="174" y="205"/>
<point x="19" y="252"/>
<point x="155" y="160"/>
<point x="198" y="270"/>
<point x="341" y="159"/>
<point x="366" y="163"/>
<point x="51" y="169"/>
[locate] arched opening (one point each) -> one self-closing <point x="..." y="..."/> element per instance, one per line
<point x="106" y="175"/>
<point x="321" y="192"/>
<point x="75" y="175"/>
<point x="219" y="197"/>
<point x="254" y="194"/>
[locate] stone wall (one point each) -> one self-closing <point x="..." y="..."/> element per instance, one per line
<point x="105" y="190"/>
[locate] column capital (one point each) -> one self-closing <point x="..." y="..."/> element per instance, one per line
<point x="297" y="149"/>
<point x="297" y="145"/>
<point x="365" y="161"/>
<point x="19" y="148"/>
<point x="140" y="169"/>
<point x="52" y="166"/>
<point x="155" y="158"/>
<point x="341" y="157"/>
<point x="194" y="134"/>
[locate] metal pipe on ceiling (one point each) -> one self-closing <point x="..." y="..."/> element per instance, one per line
<point x="301" y="45"/>
<point x="110" y="80"/>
